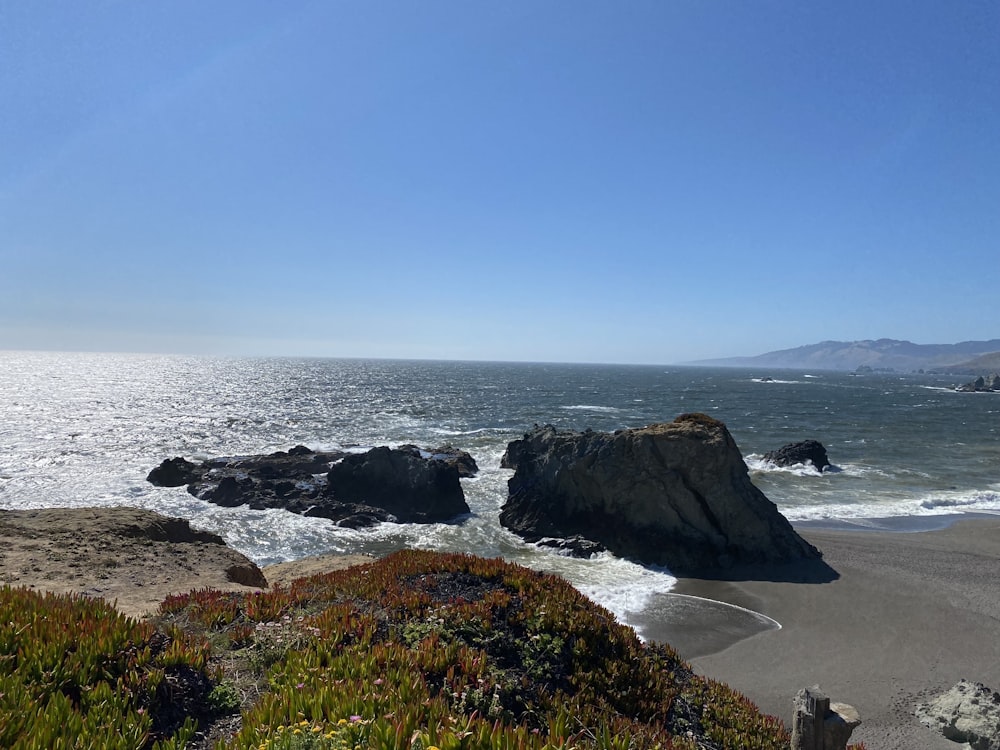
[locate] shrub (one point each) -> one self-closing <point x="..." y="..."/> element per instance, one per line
<point x="418" y="651"/>
<point x="74" y="672"/>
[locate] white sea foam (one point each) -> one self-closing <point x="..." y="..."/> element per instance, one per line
<point x="591" y="407"/>
<point x="938" y="504"/>
<point x="621" y="586"/>
<point x="757" y="463"/>
<point x="758" y="466"/>
<point x="454" y="432"/>
<point x="983" y="500"/>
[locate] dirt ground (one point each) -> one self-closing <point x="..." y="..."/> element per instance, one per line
<point x="133" y="558"/>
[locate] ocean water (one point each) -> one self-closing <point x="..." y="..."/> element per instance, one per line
<point x="85" y="429"/>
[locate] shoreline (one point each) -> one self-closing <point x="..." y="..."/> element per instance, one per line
<point x="885" y="621"/>
<point x="900" y="618"/>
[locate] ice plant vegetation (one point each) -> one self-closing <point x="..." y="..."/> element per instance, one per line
<point x="417" y="651"/>
<point x="75" y="673"/>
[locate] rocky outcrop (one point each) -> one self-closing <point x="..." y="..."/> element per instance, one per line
<point x="405" y="485"/>
<point x="804" y="452"/>
<point x="676" y="494"/>
<point x="129" y="556"/>
<point x="981" y="385"/>
<point x="456" y="457"/>
<point x="969" y="712"/>
<point x="174" y="472"/>
<point x="818" y="724"/>
<point x="402" y="482"/>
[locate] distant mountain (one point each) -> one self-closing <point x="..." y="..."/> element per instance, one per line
<point x="883" y="354"/>
<point x="987" y="363"/>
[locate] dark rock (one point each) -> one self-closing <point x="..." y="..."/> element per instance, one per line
<point x="676" y="494"/>
<point x="228" y="492"/>
<point x="806" y="451"/>
<point x="981" y="385"/>
<point x="401" y="481"/>
<point x="173" y="472"/>
<point x="461" y="460"/>
<point x="575" y="546"/>
<point x="297" y="463"/>
<point x="407" y="484"/>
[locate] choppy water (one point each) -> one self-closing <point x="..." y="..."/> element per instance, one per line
<point x="85" y="429"/>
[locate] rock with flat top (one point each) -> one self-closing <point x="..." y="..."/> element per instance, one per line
<point x="675" y="494"/>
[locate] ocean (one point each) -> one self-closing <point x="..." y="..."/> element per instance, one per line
<point x="82" y="429"/>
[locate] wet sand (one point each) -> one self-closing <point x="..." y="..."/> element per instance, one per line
<point x="888" y="620"/>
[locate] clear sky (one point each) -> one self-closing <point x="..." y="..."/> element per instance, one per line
<point x="645" y="182"/>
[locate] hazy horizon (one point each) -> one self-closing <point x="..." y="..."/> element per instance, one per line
<point x="734" y="361"/>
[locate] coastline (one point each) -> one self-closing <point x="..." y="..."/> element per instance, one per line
<point x="887" y="620"/>
<point x="904" y="617"/>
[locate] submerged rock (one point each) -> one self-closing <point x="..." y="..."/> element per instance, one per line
<point x="406" y="485"/>
<point x="806" y="451"/>
<point x="676" y="494"/>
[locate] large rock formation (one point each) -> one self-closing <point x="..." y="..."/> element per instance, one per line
<point x="806" y="451"/>
<point x="981" y="385"/>
<point x="676" y="494"/>
<point x="969" y="712"/>
<point x="405" y="485"/>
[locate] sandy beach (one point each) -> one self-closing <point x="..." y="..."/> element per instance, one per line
<point x="889" y="620"/>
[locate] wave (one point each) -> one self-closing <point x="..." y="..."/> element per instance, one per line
<point x="623" y="587"/>
<point x="757" y="464"/>
<point x="938" y="504"/>
<point x="591" y="407"/>
<point x="452" y="432"/>
<point x="977" y="500"/>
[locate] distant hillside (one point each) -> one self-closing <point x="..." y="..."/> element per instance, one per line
<point x="987" y="363"/>
<point x="883" y="354"/>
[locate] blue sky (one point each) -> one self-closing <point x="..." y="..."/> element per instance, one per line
<point x="645" y="182"/>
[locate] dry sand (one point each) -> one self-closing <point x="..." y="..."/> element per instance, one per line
<point x="894" y="619"/>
